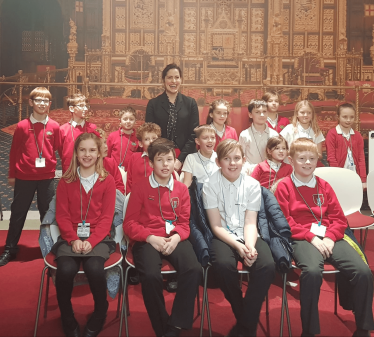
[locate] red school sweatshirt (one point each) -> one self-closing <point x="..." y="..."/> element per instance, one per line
<point x="111" y="166"/>
<point x="230" y="133"/>
<point x="143" y="217"/>
<point x="100" y="213"/>
<point x="262" y="173"/>
<point x="282" y="122"/>
<point x="114" y="146"/>
<point x="299" y="216"/>
<point x="337" y="150"/>
<point x="66" y="148"/>
<point x="23" y="151"/>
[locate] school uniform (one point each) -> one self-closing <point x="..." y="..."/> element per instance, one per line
<point x="144" y="218"/>
<point x="290" y="193"/>
<point x="232" y="201"/>
<point x="111" y="166"/>
<point x="268" y="172"/>
<point x="199" y="166"/>
<point x="278" y="124"/>
<point x="138" y="168"/>
<point x="31" y="140"/>
<point x="227" y="133"/>
<point x="346" y="151"/>
<point x="69" y="132"/>
<point x="254" y="143"/>
<point x="121" y="146"/>
<point x="93" y="200"/>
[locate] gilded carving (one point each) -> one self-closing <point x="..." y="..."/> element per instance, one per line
<point x="286" y="20"/>
<point x="121" y="17"/>
<point x="243" y="12"/>
<point x="142" y="13"/>
<point x="169" y="27"/>
<point x="329" y="2"/>
<point x="257" y="19"/>
<point x="243" y="43"/>
<point x="134" y="40"/>
<point x="191" y="74"/>
<point x="313" y="42"/>
<point x="206" y="12"/>
<point x="189" y="43"/>
<point x="285" y="48"/>
<point x="328" y="20"/>
<point x="306" y="15"/>
<point x="258" y="1"/>
<point x="222" y="76"/>
<point x="120" y="46"/>
<point x="328" y="45"/>
<point x="298" y="44"/>
<point x="189" y="18"/>
<point x="149" y="42"/>
<point x="257" y="45"/>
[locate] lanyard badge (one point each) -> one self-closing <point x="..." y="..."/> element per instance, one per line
<point x="40" y="161"/>
<point x="174" y="202"/>
<point x="83" y="230"/>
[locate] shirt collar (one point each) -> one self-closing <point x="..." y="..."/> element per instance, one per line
<point x="227" y="183"/>
<point x="211" y="159"/>
<point x="75" y="124"/>
<point x="312" y="182"/>
<point x="254" y="129"/>
<point x="273" y="122"/>
<point x="273" y="165"/>
<point x="339" y="131"/>
<point x="33" y="120"/>
<point x="155" y="184"/>
<point x="144" y="154"/>
<point x="301" y="128"/>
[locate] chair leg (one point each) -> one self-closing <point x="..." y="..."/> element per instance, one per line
<point x="39" y="300"/>
<point x="336" y="296"/>
<point x="361" y="237"/>
<point x="46" y="294"/>
<point x="119" y="291"/>
<point x="366" y="235"/>
<point x="267" y="304"/>
<point x="205" y="304"/>
<point x="285" y="306"/>
<point x="124" y="305"/>
<point x="198" y="301"/>
<point x="119" y="297"/>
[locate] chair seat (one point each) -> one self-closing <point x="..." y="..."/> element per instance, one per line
<point x="242" y="268"/>
<point x="113" y="260"/>
<point x="328" y="268"/>
<point x="357" y="220"/>
<point x="166" y="268"/>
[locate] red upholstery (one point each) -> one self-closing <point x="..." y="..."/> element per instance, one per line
<point x="242" y="267"/>
<point x="166" y="266"/>
<point x="358" y="220"/>
<point x="113" y="259"/>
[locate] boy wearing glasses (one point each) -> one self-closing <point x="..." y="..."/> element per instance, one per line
<point x="32" y="164"/>
<point x="78" y="106"/>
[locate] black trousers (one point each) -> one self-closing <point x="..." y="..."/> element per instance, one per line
<point x="350" y="264"/>
<point x="24" y="191"/>
<point x="148" y="262"/>
<point x="67" y="268"/>
<point x="224" y="261"/>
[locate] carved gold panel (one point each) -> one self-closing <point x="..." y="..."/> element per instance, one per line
<point x="329" y="2"/>
<point x="258" y="1"/>
<point x="286" y="20"/>
<point x="120" y="44"/>
<point x="243" y="43"/>
<point x="121" y="17"/>
<point x="149" y="42"/>
<point x="142" y="13"/>
<point x="189" y="0"/>
<point x="189" y="43"/>
<point x="257" y="45"/>
<point x="189" y="18"/>
<point x="257" y="19"/>
<point x="203" y="12"/>
<point x="328" y="20"/>
<point x="328" y="45"/>
<point x="134" y="39"/>
<point x="285" y="46"/>
<point x="203" y="47"/>
<point x="298" y="44"/>
<point x="222" y="76"/>
<point x="306" y="15"/>
<point x="313" y="42"/>
<point x="243" y="12"/>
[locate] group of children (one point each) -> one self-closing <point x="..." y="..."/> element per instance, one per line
<point x="158" y="211"/>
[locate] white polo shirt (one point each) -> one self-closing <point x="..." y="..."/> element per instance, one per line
<point x="199" y="166"/>
<point x="254" y="143"/>
<point x="232" y="200"/>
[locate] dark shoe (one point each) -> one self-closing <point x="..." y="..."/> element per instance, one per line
<point x="5" y="257"/>
<point x="172" y="331"/>
<point x="172" y="286"/>
<point x="94" y="326"/>
<point x="133" y="277"/>
<point x="361" y="332"/>
<point x="306" y="334"/>
<point x="71" y="332"/>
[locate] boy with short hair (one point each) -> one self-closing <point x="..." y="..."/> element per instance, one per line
<point x="32" y="165"/>
<point x="138" y="165"/>
<point x="157" y="223"/>
<point x="274" y="121"/>
<point x="254" y="139"/>
<point x="78" y="106"/>
<point x="201" y="164"/>
<point x="318" y="225"/>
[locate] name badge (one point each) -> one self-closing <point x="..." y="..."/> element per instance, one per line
<point x="83" y="231"/>
<point x="235" y="222"/>
<point x="121" y="167"/>
<point x="318" y="230"/>
<point x="40" y="162"/>
<point x="169" y="227"/>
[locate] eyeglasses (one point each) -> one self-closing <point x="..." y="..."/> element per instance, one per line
<point x="82" y="106"/>
<point x="40" y="101"/>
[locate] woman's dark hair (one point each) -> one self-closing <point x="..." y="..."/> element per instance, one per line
<point x="169" y="67"/>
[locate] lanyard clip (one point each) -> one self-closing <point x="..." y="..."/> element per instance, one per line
<point x="40" y="156"/>
<point x="83" y="222"/>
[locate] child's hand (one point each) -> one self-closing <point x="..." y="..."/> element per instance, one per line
<point x="77" y="246"/>
<point x="242" y="250"/>
<point x="329" y="244"/>
<point x="252" y="252"/>
<point x="86" y="247"/>
<point x="364" y="186"/>
<point x="157" y="242"/>
<point x="321" y="246"/>
<point x="177" y="165"/>
<point x="171" y="244"/>
<point x="11" y="181"/>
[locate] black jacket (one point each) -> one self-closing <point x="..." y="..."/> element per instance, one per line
<point x="157" y="111"/>
<point x="272" y="225"/>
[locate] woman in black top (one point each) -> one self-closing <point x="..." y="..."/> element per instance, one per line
<point x="176" y="114"/>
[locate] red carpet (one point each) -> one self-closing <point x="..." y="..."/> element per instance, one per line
<point x="19" y="286"/>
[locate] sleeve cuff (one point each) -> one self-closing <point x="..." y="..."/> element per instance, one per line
<point x="309" y="236"/>
<point x="330" y="236"/>
<point x="182" y="234"/>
